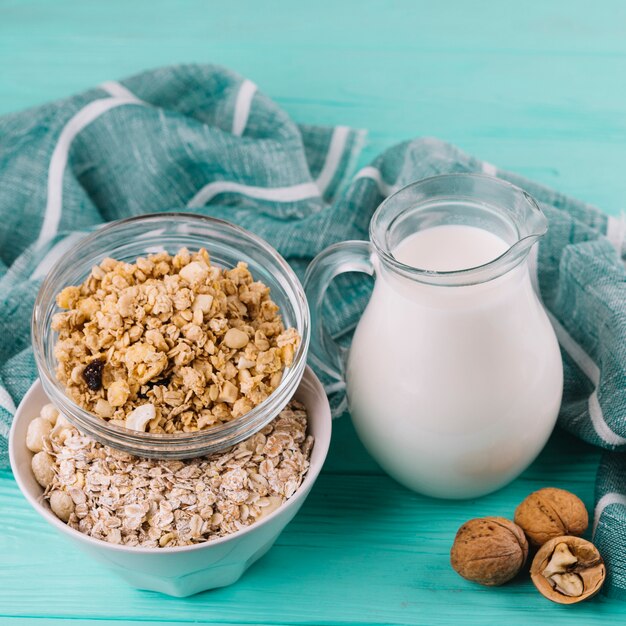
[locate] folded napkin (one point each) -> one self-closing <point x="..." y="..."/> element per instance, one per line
<point x="201" y="138"/>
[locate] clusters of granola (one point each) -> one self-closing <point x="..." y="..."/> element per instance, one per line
<point x="123" y="499"/>
<point x="170" y="343"/>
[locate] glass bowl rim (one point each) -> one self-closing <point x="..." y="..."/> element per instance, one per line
<point x="256" y="417"/>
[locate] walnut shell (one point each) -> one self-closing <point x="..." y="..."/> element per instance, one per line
<point x="583" y="563"/>
<point x="550" y="513"/>
<point x="489" y="550"/>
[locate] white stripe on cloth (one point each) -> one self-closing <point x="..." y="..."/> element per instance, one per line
<point x="603" y="502"/>
<point x="54" y="254"/>
<point x="292" y="193"/>
<point x="616" y="232"/>
<point x="599" y="423"/>
<point x="386" y="189"/>
<point x="333" y="157"/>
<point x="275" y="194"/>
<point x="584" y="362"/>
<point x="374" y="174"/>
<point x="489" y="169"/>
<point x="56" y="169"/>
<point x="6" y="402"/>
<point x="340" y="385"/>
<point x="342" y="408"/>
<point x="242" y="106"/>
<point x="117" y="90"/>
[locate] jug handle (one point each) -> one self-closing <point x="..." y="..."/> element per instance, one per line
<point x="347" y="256"/>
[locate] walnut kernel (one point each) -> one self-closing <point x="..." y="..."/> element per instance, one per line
<point x="567" y="570"/>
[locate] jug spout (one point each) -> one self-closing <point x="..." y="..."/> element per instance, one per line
<point x="531" y="224"/>
<point x="529" y="219"/>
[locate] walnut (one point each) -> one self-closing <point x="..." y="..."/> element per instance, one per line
<point x="568" y="570"/>
<point x="550" y="513"/>
<point x="489" y="550"/>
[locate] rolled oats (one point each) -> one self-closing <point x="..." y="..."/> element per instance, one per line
<point x="201" y="344"/>
<point x="123" y="499"/>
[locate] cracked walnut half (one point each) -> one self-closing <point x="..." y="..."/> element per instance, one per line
<point x="170" y="343"/>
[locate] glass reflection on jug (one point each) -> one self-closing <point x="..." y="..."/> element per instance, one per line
<point x="454" y="376"/>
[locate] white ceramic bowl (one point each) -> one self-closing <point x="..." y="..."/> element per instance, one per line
<point x="184" y="570"/>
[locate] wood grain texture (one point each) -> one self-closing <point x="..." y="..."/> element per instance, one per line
<point x="534" y="87"/>
<point x="362" y="550"/>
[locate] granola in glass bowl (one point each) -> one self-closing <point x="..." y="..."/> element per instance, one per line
<point x="170" y="343"/>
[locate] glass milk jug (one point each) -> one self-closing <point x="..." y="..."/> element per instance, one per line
<point x="454" y="376"/>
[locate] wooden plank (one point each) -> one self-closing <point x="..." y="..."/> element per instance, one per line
<point x="363" y="549"/>
<point x="531" y="86"/>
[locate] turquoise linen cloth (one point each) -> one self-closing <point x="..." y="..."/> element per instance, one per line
<point x="202" y="138"/>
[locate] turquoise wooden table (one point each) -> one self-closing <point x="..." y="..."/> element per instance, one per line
<point x="534" y="87"/>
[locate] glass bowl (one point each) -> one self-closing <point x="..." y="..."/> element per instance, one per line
<point x="127" y="239"/>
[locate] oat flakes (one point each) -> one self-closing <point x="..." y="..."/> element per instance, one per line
<point x="123" y="499"/>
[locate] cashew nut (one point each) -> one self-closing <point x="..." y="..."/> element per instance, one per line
<point x="139" y="418"/>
